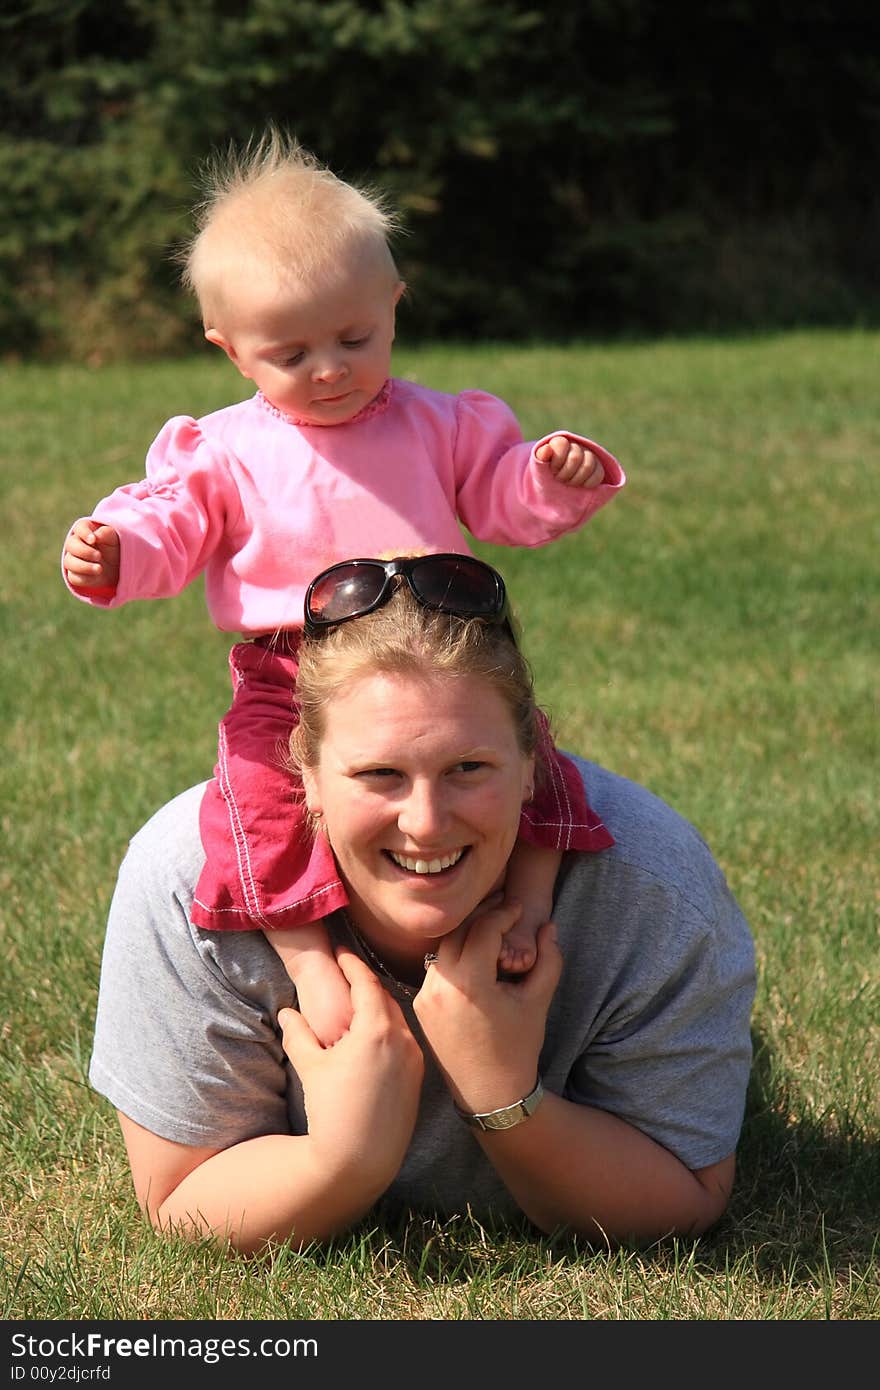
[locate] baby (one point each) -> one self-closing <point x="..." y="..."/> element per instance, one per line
<point x="330" y="458"/>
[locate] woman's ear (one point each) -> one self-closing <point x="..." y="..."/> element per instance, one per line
<point x="310" y="787"/>
<point x="528" y="783"/>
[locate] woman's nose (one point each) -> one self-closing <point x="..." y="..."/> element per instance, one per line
<point x="423" y="814"/>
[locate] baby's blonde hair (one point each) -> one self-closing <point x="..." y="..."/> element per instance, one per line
<point x="271" y="204"/>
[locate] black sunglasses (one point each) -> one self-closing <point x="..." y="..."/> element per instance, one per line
<point x="448" y="583"/>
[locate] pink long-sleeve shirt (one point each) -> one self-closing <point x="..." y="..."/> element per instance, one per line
<point x="261" y="503"/>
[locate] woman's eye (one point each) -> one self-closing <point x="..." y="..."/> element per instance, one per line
<point x="378" y="773"/>
<point x="469" y="766"/>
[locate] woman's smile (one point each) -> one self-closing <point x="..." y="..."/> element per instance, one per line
<point x="422" y="864"/>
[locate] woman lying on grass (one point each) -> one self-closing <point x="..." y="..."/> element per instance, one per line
<point x="602" y="1092"/>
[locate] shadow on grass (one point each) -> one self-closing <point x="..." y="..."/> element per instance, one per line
<point x="806" y="1205"/>
<point x="808" y="1186"/>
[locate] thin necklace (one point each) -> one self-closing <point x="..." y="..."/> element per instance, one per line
<point x="409" y="990"/>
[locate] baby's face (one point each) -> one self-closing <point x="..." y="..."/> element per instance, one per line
<point x="319" y="353"/>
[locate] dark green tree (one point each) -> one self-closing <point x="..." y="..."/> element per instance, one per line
<point x="611" y="165"/>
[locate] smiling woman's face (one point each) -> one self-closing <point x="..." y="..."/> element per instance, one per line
<point x="419" y="785"/>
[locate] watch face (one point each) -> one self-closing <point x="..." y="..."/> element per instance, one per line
<point x="508" y="1115"/>
<point x="508" y="1118"/>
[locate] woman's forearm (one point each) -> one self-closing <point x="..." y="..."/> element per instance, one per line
<point x="581" y="1168"/>
<point x="271" y="1188"/>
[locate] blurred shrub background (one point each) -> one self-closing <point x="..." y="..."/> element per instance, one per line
<point x="564" y="169"/>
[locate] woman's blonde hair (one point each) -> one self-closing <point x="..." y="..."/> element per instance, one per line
<point x="403" y="638"/>
<point x="272" y="203"/>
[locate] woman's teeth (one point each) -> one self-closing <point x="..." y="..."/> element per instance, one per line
<point x="426" y="866"/>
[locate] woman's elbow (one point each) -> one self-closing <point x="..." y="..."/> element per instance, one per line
<point x="715" y="1185"/>
<point x="230" y="1233"/>
<point x="688" y="1211"/>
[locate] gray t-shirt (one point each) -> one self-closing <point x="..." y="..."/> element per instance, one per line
<point x="650" y="1020"/>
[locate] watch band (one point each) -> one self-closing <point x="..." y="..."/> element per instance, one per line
<point x="508" y="1115"/>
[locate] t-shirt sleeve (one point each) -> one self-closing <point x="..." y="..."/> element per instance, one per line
<point x="186" y="1044"/>
<point x="669" y="1047"/>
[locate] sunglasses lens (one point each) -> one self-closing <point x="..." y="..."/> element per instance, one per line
<point x="345" y="593"/>
<point x="454" y="584"/>
<point x="457" y="585"/>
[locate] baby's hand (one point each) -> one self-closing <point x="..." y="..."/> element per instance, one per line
<point x="91" y="556"/>
<point x="570" y="462"/>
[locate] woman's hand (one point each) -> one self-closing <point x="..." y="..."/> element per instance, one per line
<point x="486" y="1033"/>
<point x="362" y="1094"/>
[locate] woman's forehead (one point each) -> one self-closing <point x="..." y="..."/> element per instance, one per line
<point x="405" y="712"/>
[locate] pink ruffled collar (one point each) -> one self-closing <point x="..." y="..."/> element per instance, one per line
<point x="376" y="406"/>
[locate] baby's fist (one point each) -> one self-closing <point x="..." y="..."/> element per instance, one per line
<point x="91" y="555"/>
<point x="570" y="462"/>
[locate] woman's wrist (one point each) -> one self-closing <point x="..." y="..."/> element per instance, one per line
<point x="505" y="1116"/>
<point x="362" y="1150"/>
<point x="362" y="1171"/>
<point x="479" y="1095"/>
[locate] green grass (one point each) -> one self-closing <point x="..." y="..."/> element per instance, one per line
<point x="713" y="634"/>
